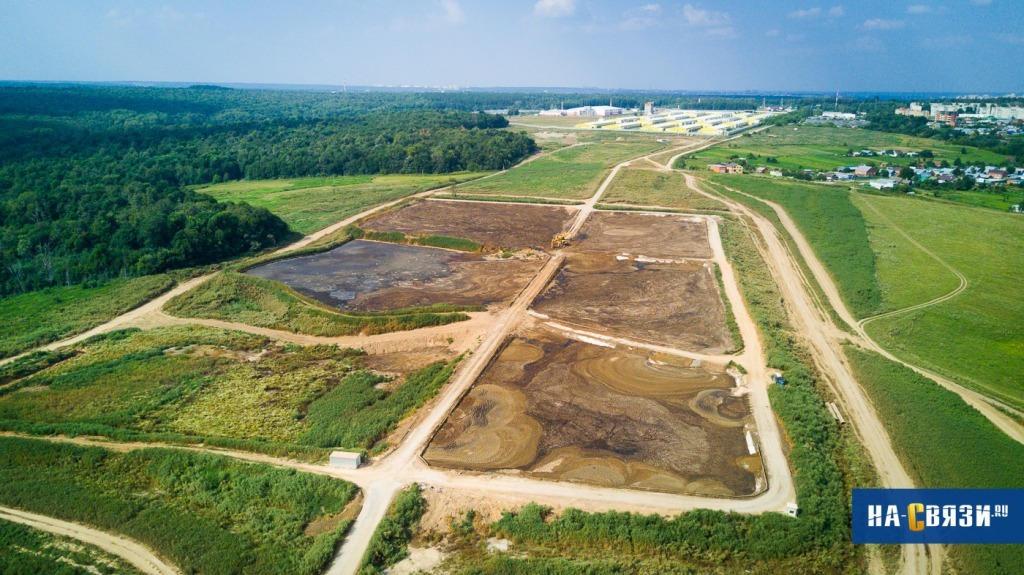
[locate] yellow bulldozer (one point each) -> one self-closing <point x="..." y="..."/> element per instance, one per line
<point x="560" y="241"/>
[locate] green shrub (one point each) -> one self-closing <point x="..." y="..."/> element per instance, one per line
<point x="236" y="297"/>
<point x="207" y="514"/>
<point x="390" y="542"/>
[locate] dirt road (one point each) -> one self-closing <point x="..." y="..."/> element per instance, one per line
<point x="826" y="348"/>
<point x="132" y="552"/>
<point x="993" y="409"/>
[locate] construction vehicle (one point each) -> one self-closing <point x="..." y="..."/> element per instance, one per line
<point x="560" y="241"/>
<point x="777" y="378"/>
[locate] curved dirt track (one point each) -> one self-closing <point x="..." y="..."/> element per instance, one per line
<point x="952" y="294"/>
<point x="826" y="348"/>
<point x="993" y="409"/>
<point x="131" y="551"/>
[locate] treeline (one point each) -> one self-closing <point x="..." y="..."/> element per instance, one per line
<point x="94" y="181"/>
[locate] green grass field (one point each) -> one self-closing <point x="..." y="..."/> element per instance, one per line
<point x="27" y="550"/>
<point x="822" y="148"/>
<point x="37" y="318"/>
<point x="945" y="444"/>
<point x="235" y="297"/>
<point x="997" y="198"/>
<point x="976" y="338"/>
<point x="906" y="275"/>
<point x="206" y="514"/>
<point x="310" y="204"/>
<point x="653" y="188"/>
<point x="194" y="384"/>
<point x="572" y="173"/>
<point x="835" y="229"/>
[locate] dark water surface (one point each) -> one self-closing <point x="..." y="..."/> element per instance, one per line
<point x="359" y="267"/>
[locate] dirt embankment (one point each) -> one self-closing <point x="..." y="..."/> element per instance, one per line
<point x="514" y="226"/>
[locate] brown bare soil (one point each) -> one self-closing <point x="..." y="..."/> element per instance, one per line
<point x="555" y="408"/>
<point x="674" y="304"/>
<point x="513" y="226"/>
<point x="375" y="276"/>
<point x="660" y="236"/>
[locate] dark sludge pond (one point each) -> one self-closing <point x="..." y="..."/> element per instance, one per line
<point x="338" y="276"/>
<point x="374" y="276"/>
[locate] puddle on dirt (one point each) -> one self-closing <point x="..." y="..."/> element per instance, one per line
<point x="555" y="408"/>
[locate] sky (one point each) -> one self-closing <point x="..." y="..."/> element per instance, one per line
<point x="974" y="46"/>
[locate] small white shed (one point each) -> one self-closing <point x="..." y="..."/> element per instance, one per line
<point x="346" y="459"/>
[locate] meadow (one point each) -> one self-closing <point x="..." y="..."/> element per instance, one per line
<point x="37" y="318"/>
<point x="644" y="187"/>
<point x="571" y="173"/>
<point x="173" y="384"/>
<point x="310" y="204"/>
<point x="944" y="443"/>
<point x="906" y="275"/>
<point x="833" y="226"/>
<point x="241" y="298"/>
<point x="976" y="338"/>
<point x="206" y="514"/>
<point x="27" y="550"/>
<point x="825" y="148"/>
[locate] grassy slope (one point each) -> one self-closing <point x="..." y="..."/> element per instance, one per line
<point x="835" y="229"/>
<point x="906" y="275"/>
<point x="309" y="204"/>
<point x="37" y="318"/>
<point x="27" y="550"/>
<point x="824" y="148"/>
<point x="231" y="296"/>
<point x="945" y="443"/>
<point x="650" y="187"/>
<point x="172" y="384"/>
<point x="573" y="173"/>
<point x="978" y="336"/>
<point x="205" y="513"/>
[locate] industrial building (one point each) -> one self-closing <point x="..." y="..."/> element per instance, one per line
<point x="600" y="111"/>
<point x="690" y="122"/>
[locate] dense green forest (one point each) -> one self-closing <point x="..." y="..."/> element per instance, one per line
<point x="95" y="181"/>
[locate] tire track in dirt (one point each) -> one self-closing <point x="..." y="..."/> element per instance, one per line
<point x="131" y="551"/>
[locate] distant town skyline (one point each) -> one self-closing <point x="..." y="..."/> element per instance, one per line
<point x="973" y="46"/>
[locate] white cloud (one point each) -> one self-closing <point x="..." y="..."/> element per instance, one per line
<point x="641" y="18"/>
<point x="1009" y="38"/>
<point x="453" y="13"/>
<point x="816" y="12"/>
<point x="721" y="33"/>
<point x="772" y="33"/>
<point x="808" y="14"/>
<point x="982" y="2"/>
<point x="554" y="8"/>
<point x="795" y="37"/>
<point x="919" y="9"/>
<point x="882" y="24"/>
<point x="700" y="17"/>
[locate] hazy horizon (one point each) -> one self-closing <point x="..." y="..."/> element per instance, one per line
<point x="954" y="47"/>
